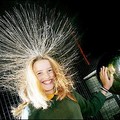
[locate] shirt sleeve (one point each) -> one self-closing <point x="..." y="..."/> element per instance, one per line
<point x="90" y="107"/>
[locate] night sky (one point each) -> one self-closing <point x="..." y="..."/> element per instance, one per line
<point x="97" y="22"/>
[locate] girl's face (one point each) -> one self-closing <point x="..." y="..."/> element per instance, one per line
<point x="44" y="72"/>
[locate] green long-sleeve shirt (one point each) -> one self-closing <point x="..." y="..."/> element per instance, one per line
<point x="68" y="109"/>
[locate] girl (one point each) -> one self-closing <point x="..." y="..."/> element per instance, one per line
<point x="49" y="94"/>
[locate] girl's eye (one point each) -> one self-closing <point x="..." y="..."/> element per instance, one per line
<point x="50" y="70"/>
<point x="39" y="73"/>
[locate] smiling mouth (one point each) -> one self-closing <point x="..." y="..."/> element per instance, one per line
<point x="46" y="82"/>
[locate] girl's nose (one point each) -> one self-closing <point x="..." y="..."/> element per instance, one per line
<point x="46" y="76"/>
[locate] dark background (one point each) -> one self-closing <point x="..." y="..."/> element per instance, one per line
<point x="97" y="21"/>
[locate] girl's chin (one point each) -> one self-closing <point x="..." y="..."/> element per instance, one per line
<point x="50" y="91"/>
<point x="48" y="88"/>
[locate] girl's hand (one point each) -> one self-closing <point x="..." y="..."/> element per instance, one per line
<point x="107" y="80"/>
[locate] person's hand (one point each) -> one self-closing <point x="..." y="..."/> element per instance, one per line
<point x="107" y="80"/>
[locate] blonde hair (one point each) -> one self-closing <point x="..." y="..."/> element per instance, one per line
<point x="27" y="34"/>
<point x="34" y="94"/>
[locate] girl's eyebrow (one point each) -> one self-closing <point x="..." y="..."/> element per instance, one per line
<point x="50" y="68"/>
<point x="43" y="69"/>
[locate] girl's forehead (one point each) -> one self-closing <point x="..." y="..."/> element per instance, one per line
<point x="42" y="64"/>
